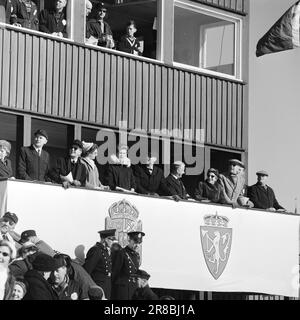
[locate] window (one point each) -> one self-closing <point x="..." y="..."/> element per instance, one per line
<point x="118" y="14"/>
<point x="60" y="136"/>
<point x="219" y="159"/>
<point x="206" y="40"/>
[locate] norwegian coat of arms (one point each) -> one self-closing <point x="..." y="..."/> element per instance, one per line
<point x="216" y="240"/>
<point x="123" y="217"/>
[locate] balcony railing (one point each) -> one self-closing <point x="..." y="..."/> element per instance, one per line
<point x="66" y="80"/>
<point x="237" y="6"/>
<point x="176" y="248"/>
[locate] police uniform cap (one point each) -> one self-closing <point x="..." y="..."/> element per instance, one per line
<point x="41" y="132"/>
<point x="107" y="233"/>
<point x="136" y="236"/>
<point x="11" y="216"/>
<point x="262" y="173"/>
<point x="141" y="274"/>
<point x="237" y="162"/>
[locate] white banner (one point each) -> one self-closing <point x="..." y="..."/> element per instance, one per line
<point x="186" y="245"/>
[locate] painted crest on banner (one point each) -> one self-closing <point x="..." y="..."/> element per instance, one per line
<point x="123" y="216"/>
<point x="216" y="240"/>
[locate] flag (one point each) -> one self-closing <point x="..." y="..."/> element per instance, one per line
<point x="283" y="35"/>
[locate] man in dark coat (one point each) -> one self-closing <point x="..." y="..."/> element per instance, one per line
<point x="143" y="291"/>
<point x="34" y="161"/>
<point x="175" y="186"/>
<point x="38" y="286"/>
<point x="262" y="195"/>
<point x="125" y="263"/>
<point x="149" y="178"/>
<point x="8" y="6"/>
<point x="100" y="29"/>
<point x="54" y="21"/>
<point x="70" y="165"/>
<point x="25" y="14"/>
<point x="98" y="261"/>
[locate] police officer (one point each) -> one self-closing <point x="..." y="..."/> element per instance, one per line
<point x="98" y="261"/>
<point x="125" y="263"/>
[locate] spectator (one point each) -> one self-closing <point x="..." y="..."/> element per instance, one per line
<point x="125" y="263"/>
<point x="210" y="190"/>
<point x="38" y="286"/>
<point x="120" y="175"/>
<point x="88" y="7"/>
<point x="99" y="29"/>
<point x="64" y="287"/>
<point x="70" y="171"/>
<point x="8" y="6"/>
<point x="90" y="152"/>
<point x="262" y="195"/>
<point x="25" y="14"/>
<point x="7" y="281"/>
<point x="98" y="261"/>
<point x="143" y="291"/>
<point x="54" y="21"/>
<point x="34" y="161"/>
<point x="77" y="273"/>
<point x="96" y="293"/>
<point x="150" y="178"/>
<point x="7" y="225"/>
<point x="175" y="186"/>
<point x="42" y="246"/>
<point x="21" y="265"/>
<point x="5" y="163"/>
<point x="233" y="183"/>
<point x="129" y="43"/>
<point x="19" y="290"/>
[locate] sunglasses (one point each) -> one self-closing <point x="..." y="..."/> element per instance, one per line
<point x="103" y="10"/>
<point x="5" y="254"/>
<point x="9" y="221"/>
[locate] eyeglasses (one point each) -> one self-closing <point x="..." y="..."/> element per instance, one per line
<point x="9" y="221"/>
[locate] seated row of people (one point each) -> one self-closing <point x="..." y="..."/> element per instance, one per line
<point x="24" y="13"/>
<point x="79" y="169"/>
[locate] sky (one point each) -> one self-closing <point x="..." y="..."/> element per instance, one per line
<point x="274" y="108"/>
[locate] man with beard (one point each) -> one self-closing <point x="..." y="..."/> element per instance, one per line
<point x="125" y="263"/>
<point x="98" y="261"/>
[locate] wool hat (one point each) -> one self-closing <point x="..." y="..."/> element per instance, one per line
<point x="44" y="262"/>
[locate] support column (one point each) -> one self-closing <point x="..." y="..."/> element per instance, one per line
<point x="165" y="30"/>
<point x="76" y="20"/>
<point x="2" y="12"/>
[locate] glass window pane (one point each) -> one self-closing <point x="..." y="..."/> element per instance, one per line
<point x="204" y="41"/>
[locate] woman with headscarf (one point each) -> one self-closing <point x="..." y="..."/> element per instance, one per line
<point x="90" y="152"/>
<point x="5" y="163"/>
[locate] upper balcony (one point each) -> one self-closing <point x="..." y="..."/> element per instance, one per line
<point x="188" y="245"/>
<point x="180" y="89"/>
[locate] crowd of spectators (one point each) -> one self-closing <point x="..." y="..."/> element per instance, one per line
<point x="79" y="169"/>
<point x="54" y="21"/>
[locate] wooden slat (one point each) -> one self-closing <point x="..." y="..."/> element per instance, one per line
<point x="69" y="70"/>
<point x="42" y="76"/>
<point x="62" y="81"/>
<point x="74" y="81"/>
<point x="145" y="98"/>
<point x="49" y="77"/>
<point x="119" y="89"/>
<point x="113" y="93"/>
<point x="13" y="70"/>
<point x="5" y="68"/>
<point x="86" y="84"/>
<point x="55" y="84"/>
<point x="93" y="88"/>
